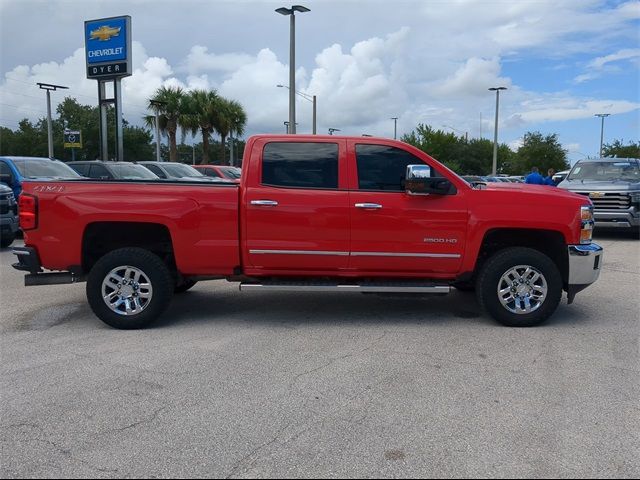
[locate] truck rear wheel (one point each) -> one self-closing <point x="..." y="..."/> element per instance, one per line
<point x="129" y="288"/>
<point x="519" y="287"/>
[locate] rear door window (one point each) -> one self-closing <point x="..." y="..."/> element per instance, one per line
<point x="300" y="165"/>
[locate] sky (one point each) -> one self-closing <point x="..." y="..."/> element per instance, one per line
<point x="430" y="62"/>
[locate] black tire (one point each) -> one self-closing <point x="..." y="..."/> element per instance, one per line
<point x="158" y="276"/>
<point x="184" y="286"/>
<point x="498" y="265"/>
<point x="7" y="240"/>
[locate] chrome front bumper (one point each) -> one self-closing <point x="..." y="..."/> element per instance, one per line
<point x="585" y="263"/>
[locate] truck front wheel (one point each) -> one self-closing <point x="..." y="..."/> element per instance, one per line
<point x="519" y="287"/>
<point x="129" y="288"/>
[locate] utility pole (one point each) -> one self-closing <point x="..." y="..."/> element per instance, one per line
<point x="48" y="87"/>
<point x="602" y="116"/>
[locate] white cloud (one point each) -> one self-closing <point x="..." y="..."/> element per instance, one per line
<point x="200" y="60"/>
<point x="472" y="78"/>
<point x="601" y="65"/>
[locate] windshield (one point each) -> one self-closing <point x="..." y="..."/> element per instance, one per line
<point x="132" y="172"/>
<point x="232" y="172"/>
<point x="628" y="170"/>
<point x="181" y="170"/>
<point x="43" y="167"/>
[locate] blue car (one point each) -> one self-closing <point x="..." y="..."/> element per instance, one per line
<point x="14" y="170"/>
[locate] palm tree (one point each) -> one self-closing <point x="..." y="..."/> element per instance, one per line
<point x="232" y="119"/>
<point x="169" y="103"/>
<point x="202" y="115"/>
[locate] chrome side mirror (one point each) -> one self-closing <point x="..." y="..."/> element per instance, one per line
<point x="418" y="181"/>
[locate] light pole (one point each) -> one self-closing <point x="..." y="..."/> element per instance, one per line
<point x="48" y="87"/>
<point x="286" y="127"/>
<point x="602" y="116"/>
<point x="306" y="96"/>
<point x="292" y="60"/>
<point x="395" y="125"/>
<point x="331" y="130"/>
<point x="157" y="104"/>
<point x="494" y="167"/>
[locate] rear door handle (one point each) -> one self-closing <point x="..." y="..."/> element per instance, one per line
<point x="369" y="206"/>
<point x="264" y="203"/>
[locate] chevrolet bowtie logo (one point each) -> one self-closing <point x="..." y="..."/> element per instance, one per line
<point x="596" y="195"/>
<point x="104" y="33"/>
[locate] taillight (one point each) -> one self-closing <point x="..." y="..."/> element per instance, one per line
<point x="28" y="211"/>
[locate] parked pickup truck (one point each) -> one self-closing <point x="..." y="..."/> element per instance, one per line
<point x="312" y="213"/>
<point x="613" y="185"/>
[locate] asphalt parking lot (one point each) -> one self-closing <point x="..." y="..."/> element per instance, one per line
<point x="271" y="385"/>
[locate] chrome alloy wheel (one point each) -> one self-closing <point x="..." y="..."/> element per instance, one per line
<point x="127" y="290"/>
<point x="522" y="289"/>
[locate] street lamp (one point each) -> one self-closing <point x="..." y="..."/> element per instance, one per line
<point x="157" y="104"/>
<point x="495" y="132"/>
<point x="48" y="87"/>
<point x="286" y="126"/>
<point x="395" y="125"/>
<point x="306" y="96"/>
<point x="292" y="59"/>
<point x="602" y="115"/>
<point x="331" y="130"/>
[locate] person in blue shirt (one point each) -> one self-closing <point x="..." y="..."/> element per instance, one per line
<point x="534" y="177"/>
<point x="549" y="179"/>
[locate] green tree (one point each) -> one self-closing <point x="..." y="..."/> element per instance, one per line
<point x="618" y="149"/>
<point x="540" y="151"/>
<point x="232" y="119"/>
<point x="473" y="157"/>
<point x="172" y="110"/>
<point x="445" y="147"/>
<point x="203" y="114"/>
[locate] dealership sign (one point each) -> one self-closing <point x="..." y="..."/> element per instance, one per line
<point x="72" y="139"/>
<point x="108" y="47"/>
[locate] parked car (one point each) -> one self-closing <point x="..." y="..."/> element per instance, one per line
<point x="220" y="171"/>
<point x="8" y="218"/>
<point x="112" y="170"/>
<point x="560" y="176"/>
<point x="474" y="179"/>
<point x="179" y="171"/>
<point x="613" y="185"/>
<point x="312" y="213"/>
<point x="14" y="170"/>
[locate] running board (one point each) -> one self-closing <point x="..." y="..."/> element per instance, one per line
<point x="396" y="287"/>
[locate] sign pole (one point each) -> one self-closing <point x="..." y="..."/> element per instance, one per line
<point x="102" y="101"/>
<point x="117" y="90"/>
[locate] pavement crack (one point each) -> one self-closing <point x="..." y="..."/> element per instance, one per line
<point x="138" y="423"/>
<point x="256" y="450"/>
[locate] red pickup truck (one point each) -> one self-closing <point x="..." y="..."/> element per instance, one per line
<point x="312" y="213"/>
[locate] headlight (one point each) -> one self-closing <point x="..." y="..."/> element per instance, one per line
<point x="635" y="197"/>
<point x="586" y="219"/>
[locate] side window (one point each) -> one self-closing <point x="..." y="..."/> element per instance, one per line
<point x="156" y="170"/>
<point x="210" y="172"/>
<point x="99" y="171"/>
<point x="382" y="167"/>
<point x="6" y="175"/>
<point x="81" y="168"/>
<point x="301" y="165"/>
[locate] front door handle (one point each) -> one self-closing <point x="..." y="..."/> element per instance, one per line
<point x="369" y="206"/>
<point x="264" y="203"/>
